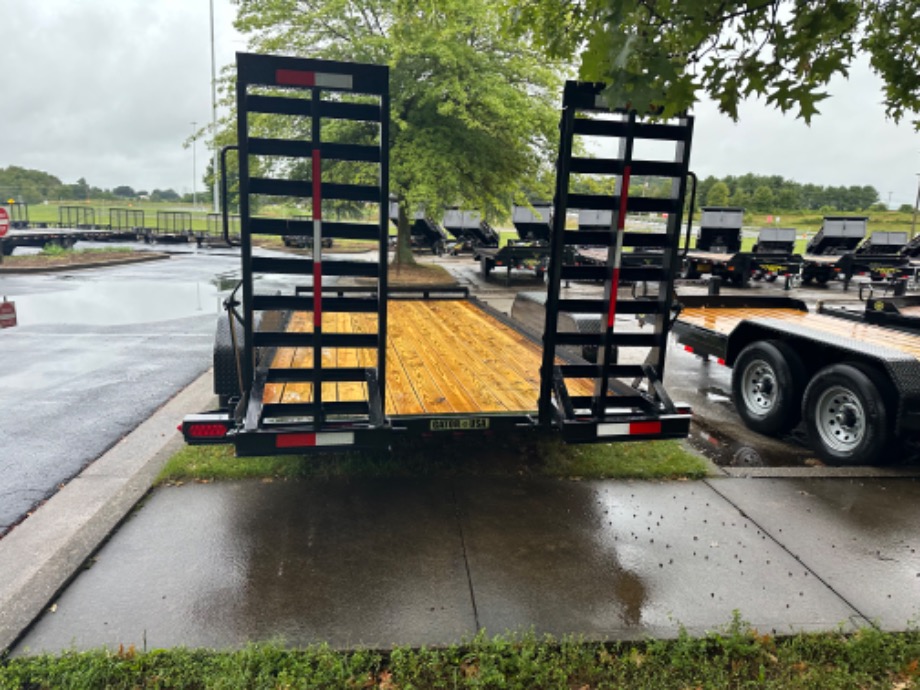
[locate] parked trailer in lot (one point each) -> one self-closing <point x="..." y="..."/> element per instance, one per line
<point x="855" y="384"/>
<point x="880" y="257"/>
<point x="530" y="252"/>
<point x="838" y="237"/>
<point x="469" y="230"/>
<point x="323" y="366"/>
<point x="424" y="233"/>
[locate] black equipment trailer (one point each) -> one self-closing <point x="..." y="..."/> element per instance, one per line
<point x="855" y="384"/>
<point x="325" y="365"/>
<point x="530" y="252"/>
<point x="880" y="258"/>
<point x="173" y="227"/>
<point x="469" y="230"/>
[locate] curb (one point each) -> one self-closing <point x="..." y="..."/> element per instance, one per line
<point x="40" y="556"/>
<point x="92" y="264"/>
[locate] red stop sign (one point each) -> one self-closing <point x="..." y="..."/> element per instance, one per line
<point x="7" y="314"/>
<point x="4" y="221"/>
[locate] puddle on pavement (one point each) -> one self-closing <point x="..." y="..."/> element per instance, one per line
<point x="108" y="303"/>
<point x="726" y="451"/>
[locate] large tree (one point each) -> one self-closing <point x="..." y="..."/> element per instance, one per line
<point x="667" y="53"/>
<point x="473" y="110"/>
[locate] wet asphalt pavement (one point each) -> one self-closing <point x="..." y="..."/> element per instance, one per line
<point x="402" y="562"/>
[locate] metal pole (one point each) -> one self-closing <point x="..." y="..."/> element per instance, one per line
<point x="913" y="227"/>
<point x="214" y="113"/>
<point x="194" y="166"/>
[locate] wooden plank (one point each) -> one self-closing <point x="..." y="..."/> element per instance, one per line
<point x="724" y="321"/>
<point x="438" y="352"/>
<point x="495" y="357"/>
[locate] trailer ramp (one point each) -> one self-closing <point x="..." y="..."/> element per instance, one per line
<point x="628" y="400"/>
<point x="309" y="102"/>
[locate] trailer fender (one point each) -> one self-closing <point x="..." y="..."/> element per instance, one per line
<point x="226" y="378"/>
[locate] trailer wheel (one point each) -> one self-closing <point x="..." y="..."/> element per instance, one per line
<point x="845" y="416"/>
<point x="767" y="382"/>
<point x="771" y="277"/>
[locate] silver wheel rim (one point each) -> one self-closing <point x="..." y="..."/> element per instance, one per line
<point x="758" y="387"/>
<point x="840" y="419"/>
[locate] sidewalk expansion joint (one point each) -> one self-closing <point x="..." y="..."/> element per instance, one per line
<point x="798" y="560"/>
<point x="466" y="560"/>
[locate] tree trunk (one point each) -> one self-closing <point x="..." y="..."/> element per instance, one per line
<point x="403" y="255"/>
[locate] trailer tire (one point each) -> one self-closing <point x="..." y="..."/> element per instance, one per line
<point x="226" y="379"/>
<point x="767" y="382"/>
<point x="846" y="417"/>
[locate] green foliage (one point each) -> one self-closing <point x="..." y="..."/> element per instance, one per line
<point x="473" y="112"/>
<point x="735" y="656"/>
<point x="717" y="195"/>
<point x="666" y="54"/>
<point x="782" y="194"/>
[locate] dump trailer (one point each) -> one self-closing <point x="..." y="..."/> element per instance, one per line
<point x="880" y="257"/>
<point x="826" y="253"/>
<point x="856" y="385"/>
<point x="424" y="232"/>
<point x="773" y="255"/>
<point x="339" y="360"/>
<point x="529" y="252"/>
<point x="469" y="230"/>
<point x="718" y="250"/>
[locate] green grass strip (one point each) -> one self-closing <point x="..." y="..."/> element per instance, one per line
<point x="512" y="455"/>
<point x="736" y="656"/>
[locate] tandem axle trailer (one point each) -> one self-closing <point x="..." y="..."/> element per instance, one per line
<point x="340" y="360"/>
<point x="855" y="384"/>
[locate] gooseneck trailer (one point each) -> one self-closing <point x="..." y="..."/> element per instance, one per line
<point x="339" y="360"/>
<point x="855" y="384"/>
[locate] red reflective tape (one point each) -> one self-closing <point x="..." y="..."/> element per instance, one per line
<point x="645" y="428"/>
<point x="317" y="294"/>
<point x="294" y="77"/>
<point x="687" y="348"/>
<point x="295" y="440"/>
<point x="614" y="291"/>
<point x="720" y="361"/>
<point x="624" y="195"/>
<point x="317" y="186"/>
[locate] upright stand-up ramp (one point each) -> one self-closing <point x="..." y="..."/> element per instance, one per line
<point x="300" y="392"/>
<point x="628" y="396"/>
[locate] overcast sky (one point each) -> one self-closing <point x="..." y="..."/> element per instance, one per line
<point x="108" y="89"/>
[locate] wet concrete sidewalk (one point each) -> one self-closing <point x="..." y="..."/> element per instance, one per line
<point x="410" y="562"/>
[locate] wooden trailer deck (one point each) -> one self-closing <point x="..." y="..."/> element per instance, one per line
<point x="724" y="320"/>
<point x="443" y="357"/>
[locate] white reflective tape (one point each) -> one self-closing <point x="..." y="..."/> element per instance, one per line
<point x="317" y="238"/>
<point x="333" y="81"/>
<point x="613" y="429"/>
<point x="335" y="438"/>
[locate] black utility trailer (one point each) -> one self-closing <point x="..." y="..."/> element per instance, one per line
<point x="213" y="234"/>
<point x="173" y="227"/>
<point x="826" y="255"/>
<point x="469" y="230"/>
<point x="530" y="251"/>
<point x="338" y="360"/>
<point x="855" y="385"/>
<point x="126" y="224"/>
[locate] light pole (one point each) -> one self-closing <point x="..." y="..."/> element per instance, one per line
<point x="913" y="226"/>
<point x="214" y="114"/>
<point x="194" y="165"/>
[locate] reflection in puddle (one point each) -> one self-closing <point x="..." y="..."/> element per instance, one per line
<point x="726" y="451"/>
<point x="118" y="303"/>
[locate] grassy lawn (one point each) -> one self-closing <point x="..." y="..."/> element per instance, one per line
<point x="514" y="455"/>
<point x="53" y="256"/>
<point x="735" y="657"/>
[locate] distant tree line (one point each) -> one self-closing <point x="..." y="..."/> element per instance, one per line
<point x="35" y="186"/>
<point x="769" y="193"/>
